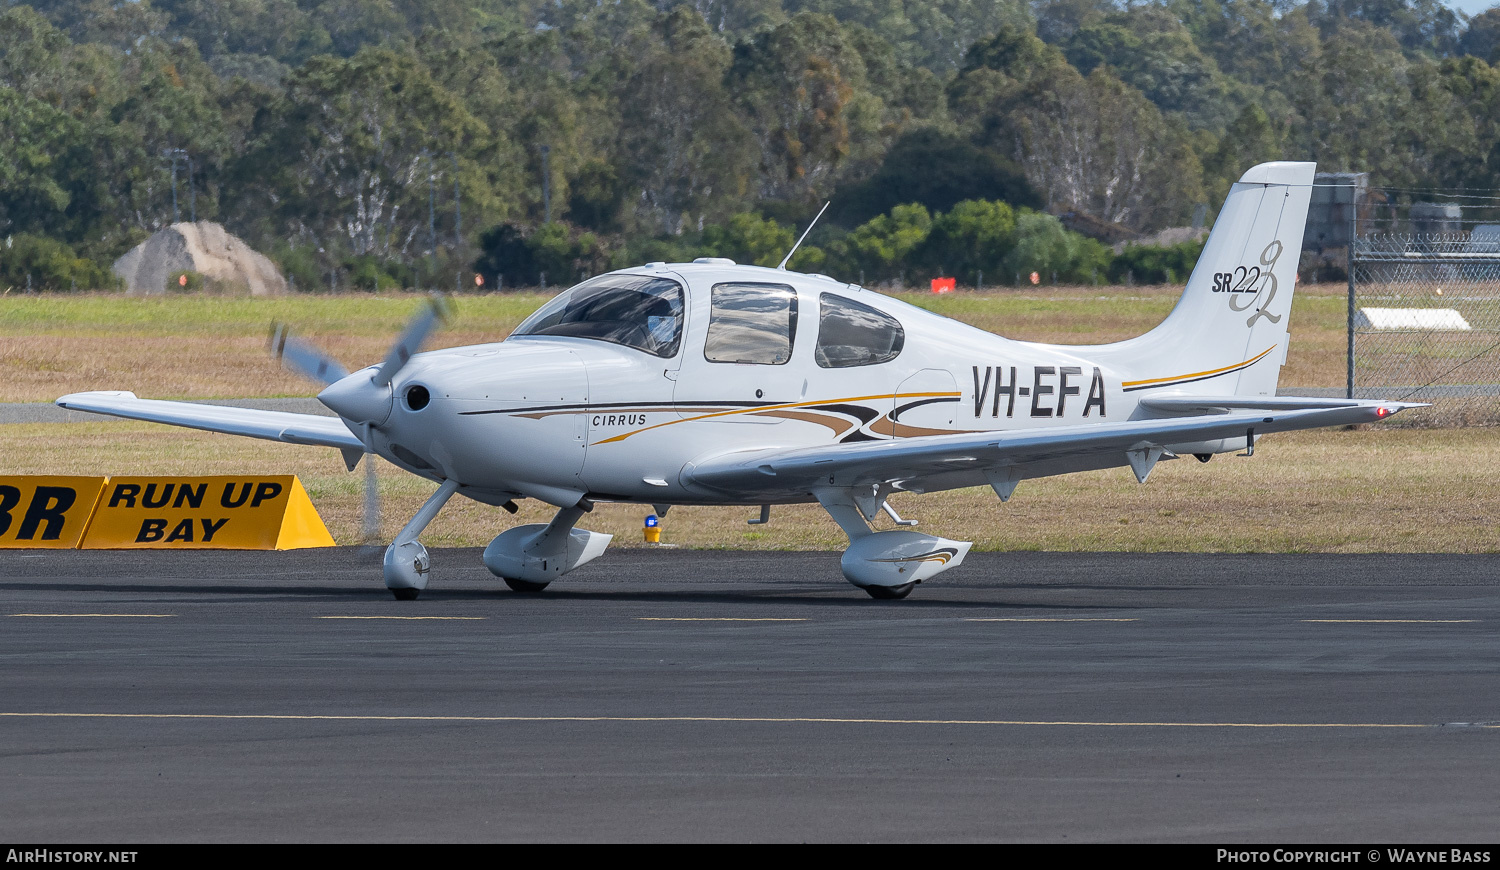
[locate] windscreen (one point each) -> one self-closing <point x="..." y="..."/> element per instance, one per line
<point x="638" y="311"/>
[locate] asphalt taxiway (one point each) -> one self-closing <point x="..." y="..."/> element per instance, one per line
<point x="681" y="695"/>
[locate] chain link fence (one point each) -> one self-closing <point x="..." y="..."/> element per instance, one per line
<point x="1424" y="323"/>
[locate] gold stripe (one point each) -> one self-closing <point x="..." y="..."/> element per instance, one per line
<point x="941" y="558"/>
<point x="838" y="424"/>
<point x="539" y="415"/>
<point x="886" y="426"/>
<point x="775" y="720"/>
<point x="765" y="408"/>
<point x="1254" y="359"/>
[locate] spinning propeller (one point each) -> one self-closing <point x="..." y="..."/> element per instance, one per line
<point x="364" y="402"/>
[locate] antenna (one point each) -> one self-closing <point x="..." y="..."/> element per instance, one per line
<point x="814" y="223"/>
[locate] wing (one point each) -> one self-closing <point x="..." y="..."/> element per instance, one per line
<point x="270" y="425"/>
<point x="1221" y="404"/>
<point x="936" y="462"/>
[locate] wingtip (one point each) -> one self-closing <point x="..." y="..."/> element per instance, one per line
<point x="1390" y="409"/>
<point x="63" y="401"/>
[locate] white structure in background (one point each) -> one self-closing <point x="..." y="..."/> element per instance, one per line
<point x="1411" y="318"/>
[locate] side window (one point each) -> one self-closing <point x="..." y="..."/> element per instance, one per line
<point x="851" y="334"/>
<point x="751" y="323"/>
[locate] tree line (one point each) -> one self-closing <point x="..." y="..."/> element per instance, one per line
<point x="377" y="143"/>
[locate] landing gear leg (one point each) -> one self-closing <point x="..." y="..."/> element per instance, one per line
<point x="406" y="560"/>
<point x="529" y="557"/>
<point x="887" y="565"/>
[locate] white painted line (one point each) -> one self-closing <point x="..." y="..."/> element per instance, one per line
<point x="770" y="720"/>
<point x="116" y="615"/>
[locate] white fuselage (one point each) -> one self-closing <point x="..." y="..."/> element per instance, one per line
<point x="558" y="418"/>
<point x="713" y="383"/>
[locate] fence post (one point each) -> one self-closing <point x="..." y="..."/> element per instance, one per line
<point x="1349" y="269"/>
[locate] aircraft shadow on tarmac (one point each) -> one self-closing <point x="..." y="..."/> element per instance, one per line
<point x="803" y="596"/>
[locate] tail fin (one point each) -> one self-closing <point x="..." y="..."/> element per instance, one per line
<point x="1228" y="333"/>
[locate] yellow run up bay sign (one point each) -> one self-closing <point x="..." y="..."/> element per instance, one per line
<point x="38" y="511"/>
<point x="126" y="513"/>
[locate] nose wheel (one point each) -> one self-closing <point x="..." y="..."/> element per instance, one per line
<point x="890" y="593"/>
<point x="524" y="585"/>
<point x="406" y="561"/>
<point x="406" y="568"/>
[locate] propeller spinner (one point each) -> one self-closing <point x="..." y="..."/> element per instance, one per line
<point x="363" y="398"/>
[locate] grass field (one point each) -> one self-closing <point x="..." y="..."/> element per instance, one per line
<point x="1372" y="490"/>
<point x="214" y="347"/>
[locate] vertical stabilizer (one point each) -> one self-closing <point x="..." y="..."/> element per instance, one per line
<point x="1228" y="333"/>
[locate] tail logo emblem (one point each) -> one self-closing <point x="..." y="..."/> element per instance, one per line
<point x="1255" y="282"/>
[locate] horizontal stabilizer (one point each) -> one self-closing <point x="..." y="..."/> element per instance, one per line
<point x="252" y="423"/>
<point x="1209" y="404"/>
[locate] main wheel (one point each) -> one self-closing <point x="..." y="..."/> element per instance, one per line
<point x="890" y="593"/>
<point x="523" y="585"/>
<point x="407" y="594"/>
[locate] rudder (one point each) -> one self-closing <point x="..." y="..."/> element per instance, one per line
<point x="1228" y="333"/>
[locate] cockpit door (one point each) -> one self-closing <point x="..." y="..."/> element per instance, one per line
<point x="738" y="356"/>
<point x="924" y="404"/>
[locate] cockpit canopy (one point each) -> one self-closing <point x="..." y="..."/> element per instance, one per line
<point x="637" y="311"/>
<point x="750" y="322"/>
